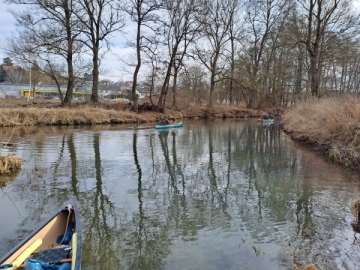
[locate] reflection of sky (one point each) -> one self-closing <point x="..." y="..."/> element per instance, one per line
<point x="211" y="214"/>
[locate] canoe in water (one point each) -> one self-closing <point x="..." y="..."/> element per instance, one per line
<point x="57" y="241"/>
<point x="268" y="121"/>
<point x="180" y="124"/>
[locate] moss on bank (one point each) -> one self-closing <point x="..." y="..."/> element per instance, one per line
<point x="331" y="126"/>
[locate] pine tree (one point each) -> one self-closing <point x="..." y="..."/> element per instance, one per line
<point x="8" y="62"/>
<point x="2" y="74"/>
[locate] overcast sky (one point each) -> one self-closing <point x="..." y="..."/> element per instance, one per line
<point x="112" y="67"/>
<point x="115" y="69"/>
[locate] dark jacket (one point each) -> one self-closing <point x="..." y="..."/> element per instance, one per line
<point x="165" y="121"/>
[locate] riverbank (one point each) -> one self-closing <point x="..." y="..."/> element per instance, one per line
<point x="329" y="126"/>
<point x="22" y="113"/>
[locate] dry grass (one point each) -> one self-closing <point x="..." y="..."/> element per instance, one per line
<point x="331" y="125"/>
<point x="9" y="164"/>
<point x="87" y="115"/>
<point x="355" y="210"/>
<point x="308" y="267"/>
<point x="47" y="113"/>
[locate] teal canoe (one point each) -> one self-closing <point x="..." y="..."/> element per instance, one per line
<point x="180" y="124"/>
<point x="268" y="121"/>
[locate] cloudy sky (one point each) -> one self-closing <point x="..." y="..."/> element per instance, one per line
<point x="112" y="66"/>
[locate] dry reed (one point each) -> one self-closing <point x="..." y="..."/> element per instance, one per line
<point x="310" y="267"/>
<point x="307" y="267"/>
<point x="9" y="164"/>
<point x="86" y="115"/>
<point x="332" y="125"/>
<point x="355" y="210"/>
<point x="37" y="114"/>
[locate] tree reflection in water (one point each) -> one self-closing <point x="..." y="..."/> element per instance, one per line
<point x="204" y="197"/>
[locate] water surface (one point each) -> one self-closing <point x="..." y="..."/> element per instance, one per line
<point x="211" y="195"/>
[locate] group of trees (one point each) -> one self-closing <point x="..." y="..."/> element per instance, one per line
<point x="9" y="72"/>
<point x="261" y="52"/>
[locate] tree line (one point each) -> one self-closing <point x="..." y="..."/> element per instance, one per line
<point x="260" y="52"/>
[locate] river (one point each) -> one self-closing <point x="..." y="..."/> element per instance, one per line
<point x="211" y="195"/>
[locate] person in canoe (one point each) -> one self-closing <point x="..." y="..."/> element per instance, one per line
<point x="268" y="116"/>
<point x="165" y="121"/>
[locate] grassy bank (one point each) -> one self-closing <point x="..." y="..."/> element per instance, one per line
<point x="22" y="113"/>
<point x="331" y="126"/>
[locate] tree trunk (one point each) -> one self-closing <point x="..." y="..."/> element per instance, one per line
<point x="69" y="57"/>
<point x="212" y="89"/>
<point x="314" y="80"/>
<point x="137" y="68"/>
<point x="95" y="75"/>
<point x="165" y="87"/>
<point x="174" y="88"/>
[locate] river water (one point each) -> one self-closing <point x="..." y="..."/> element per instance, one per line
<point x="210" y="195"/>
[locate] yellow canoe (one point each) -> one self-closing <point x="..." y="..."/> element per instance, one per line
<point x="49" y="236"/>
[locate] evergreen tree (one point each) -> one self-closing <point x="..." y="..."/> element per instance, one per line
<point x="2" y="74"/>
<point x="7" y="62"/>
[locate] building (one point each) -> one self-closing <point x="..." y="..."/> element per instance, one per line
<point x="14" y="90"/>
<point x="107" y="90"/>
<point x="143" y="90"/>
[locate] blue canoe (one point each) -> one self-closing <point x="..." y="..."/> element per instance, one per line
<point x="180" y="124"/>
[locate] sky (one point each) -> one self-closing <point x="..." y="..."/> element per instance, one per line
<point x="112" y="67"/>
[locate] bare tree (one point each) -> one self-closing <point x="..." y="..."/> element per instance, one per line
<point x="216" y="18"/>
<point x="99" y="19"/>
<point x="50" y="30"/>
<point x="193" y="81"/>
<point x="236" y="28"/>
<point x="324" y="21"/>
<point x="15" y="74"/>
<point x="36" y="79"/>
<point x="142" y="12"/>
<point x="180" y="29"/>
<point x="153" y="61"/>
<point x="263" y="18"/>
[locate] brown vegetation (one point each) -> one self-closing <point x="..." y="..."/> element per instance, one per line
<point x="355" y="210"/>
<point x="308" y="267"/>
<point x="9" y="164"/>
<point x="332" y="126"/>
<point x="22" y="113"/>
<point x="311" y="267"/>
